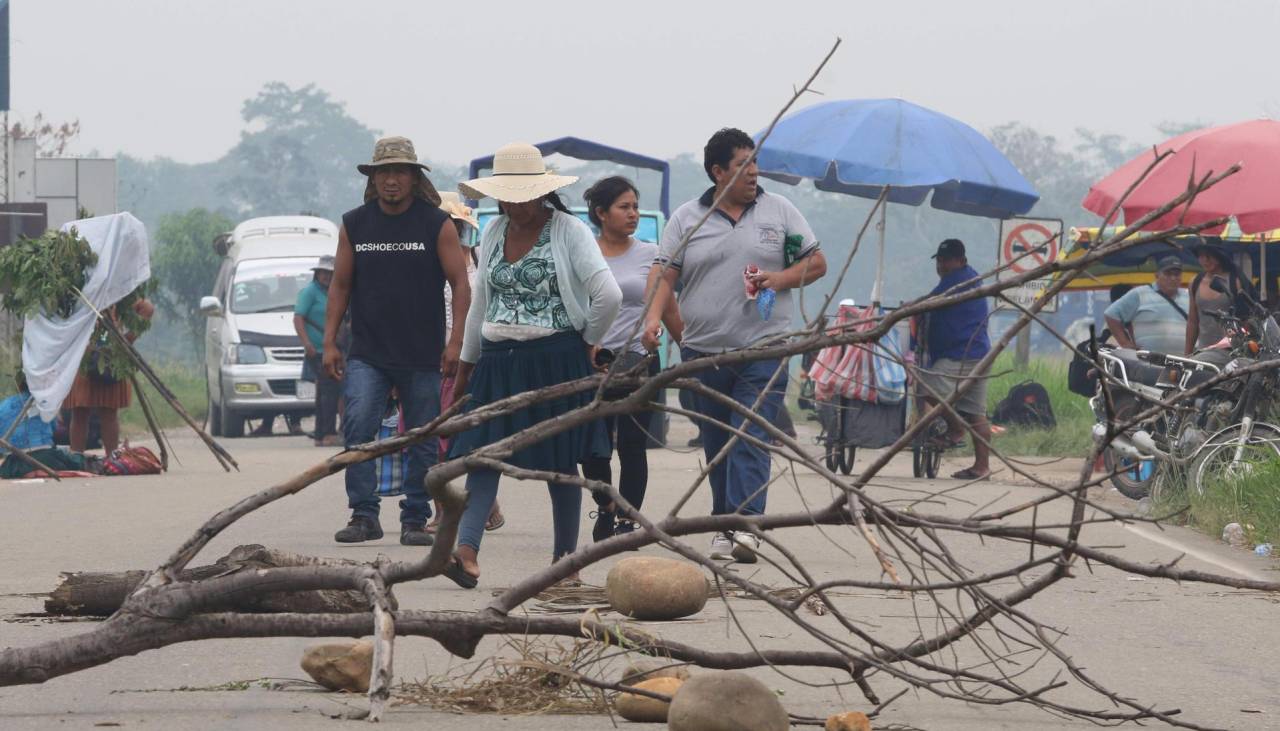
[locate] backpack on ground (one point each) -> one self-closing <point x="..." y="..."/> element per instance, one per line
<point x="1027" y="404"/>
<point x="132" y="461"/>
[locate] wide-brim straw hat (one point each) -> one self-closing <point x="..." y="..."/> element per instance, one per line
<point x="392" y="151"/>
<point x="451" y="203"/>
<point x="519" y="175"/>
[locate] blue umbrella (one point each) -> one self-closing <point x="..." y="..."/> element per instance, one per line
<point x="859" y="146"/>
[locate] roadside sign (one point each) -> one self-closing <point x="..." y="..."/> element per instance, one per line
<point x="1026" y="244"/>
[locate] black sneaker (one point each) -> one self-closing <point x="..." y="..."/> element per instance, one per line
<point x="359" y="530"/>
<point x="604" y="525"/>
<point x="624" y="527"/>
<point x="415" y="535"/>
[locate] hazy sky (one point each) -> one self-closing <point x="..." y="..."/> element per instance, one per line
<point x="167" y="77"/>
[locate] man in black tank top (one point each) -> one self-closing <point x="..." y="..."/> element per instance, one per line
<point x="395" y="254"/>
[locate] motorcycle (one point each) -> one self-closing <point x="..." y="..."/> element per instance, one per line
<point x="1219" y="434"/>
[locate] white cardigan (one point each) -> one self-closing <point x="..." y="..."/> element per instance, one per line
<point x="591" y="297"/>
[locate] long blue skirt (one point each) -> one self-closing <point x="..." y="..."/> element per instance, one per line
<point x="510" y="367"/>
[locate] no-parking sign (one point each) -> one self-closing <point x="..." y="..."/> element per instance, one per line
<point x="1026" y="244"/>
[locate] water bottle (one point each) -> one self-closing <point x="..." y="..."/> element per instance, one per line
<point x="764" y="303"/>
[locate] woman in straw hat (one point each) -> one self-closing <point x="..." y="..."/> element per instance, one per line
<point x="543" y="301"/>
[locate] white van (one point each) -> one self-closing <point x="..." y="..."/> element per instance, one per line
<point x="253" y="357"/>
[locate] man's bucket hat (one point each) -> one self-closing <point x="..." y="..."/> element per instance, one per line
<point x="392" y="151"/>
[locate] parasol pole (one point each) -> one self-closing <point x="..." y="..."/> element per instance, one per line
<point x="1262" y="255"/>
<point x="879" y="285"/>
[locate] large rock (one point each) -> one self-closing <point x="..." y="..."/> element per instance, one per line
<point x="648" y="668"/>
<point x="851" y="721"/>
<point x="726" y="702"/>
<point x="653" y="588"/>
<point x="643" y="709"/>
<point x="340" y="665"/>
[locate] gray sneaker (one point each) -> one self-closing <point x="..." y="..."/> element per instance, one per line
<point x="359" y="530"/>
<point x="721" y="547"/>
<point x="415" y="535"/>
<point x="745" y="546"/>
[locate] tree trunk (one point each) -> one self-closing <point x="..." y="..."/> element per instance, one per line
<point x="100" y="594"/>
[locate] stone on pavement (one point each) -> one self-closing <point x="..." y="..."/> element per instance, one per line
<point x="647" y="668"/>
<point x="340" y="665"/>
<point x="850" y="721"/>
<point x="727" y="701"/>
<point x="656" y="588"/>
<point x="643" y="709"/>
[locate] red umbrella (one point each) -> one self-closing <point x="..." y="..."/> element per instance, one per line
<point x="1252" y="195"/>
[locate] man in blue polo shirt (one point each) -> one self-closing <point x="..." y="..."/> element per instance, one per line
<point x="955" y="340"/>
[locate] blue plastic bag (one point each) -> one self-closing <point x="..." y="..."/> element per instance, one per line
<point x="391" y="469"/>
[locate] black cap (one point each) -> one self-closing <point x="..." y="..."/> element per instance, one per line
<point x="1169" y="262"/>
<point x="950" y="249"/>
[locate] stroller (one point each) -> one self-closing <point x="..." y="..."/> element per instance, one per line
<point x="859" y="390"/>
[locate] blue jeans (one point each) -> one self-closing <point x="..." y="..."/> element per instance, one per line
<point x="737" y="483"/>
<point x="366" y="388"/>
<point x="482" y="490"/>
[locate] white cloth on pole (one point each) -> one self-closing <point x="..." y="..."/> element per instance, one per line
<point x="52" y="347"/>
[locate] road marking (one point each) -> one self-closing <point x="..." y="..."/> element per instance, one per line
<point x="1164" y="540"/>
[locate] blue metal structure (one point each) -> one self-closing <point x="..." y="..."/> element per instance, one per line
<point x="581" y="149"/>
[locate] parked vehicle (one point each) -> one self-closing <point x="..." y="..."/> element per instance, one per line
<point x="253" y="357"/>
<point x="1220" y="434"/>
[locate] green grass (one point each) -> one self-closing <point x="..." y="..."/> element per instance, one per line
<point x="1072" y="438"/>
<point x="185" y="383"/>
<point x="1251" y="501"/>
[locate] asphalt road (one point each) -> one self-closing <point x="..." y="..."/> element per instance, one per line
<point x="1207" y="650"/>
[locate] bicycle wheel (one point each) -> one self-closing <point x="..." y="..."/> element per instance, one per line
<point x="917" y="461"/>
<point x="1226" y="459"/>
<point x="846" y="459"/>
<point x="933" y="462"/>
<point x="832" y="456"/>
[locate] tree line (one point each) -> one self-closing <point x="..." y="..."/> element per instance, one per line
<point x="299" y="148"/>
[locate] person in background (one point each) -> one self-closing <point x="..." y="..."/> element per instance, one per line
<point x="544" y="300"/>
<point x="956" y="340"/>
<point x="1204" y="330"/>
<point x="1153" y="317"/>
<point x="464" y="220"/>
<point x="104" y="395"/>
<point x="395" y="253"/>
<point x="23" y="428"/>
<point x="613" y="205"/>
<point x="758" y="244"/>
<point x="308" y="321"/>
